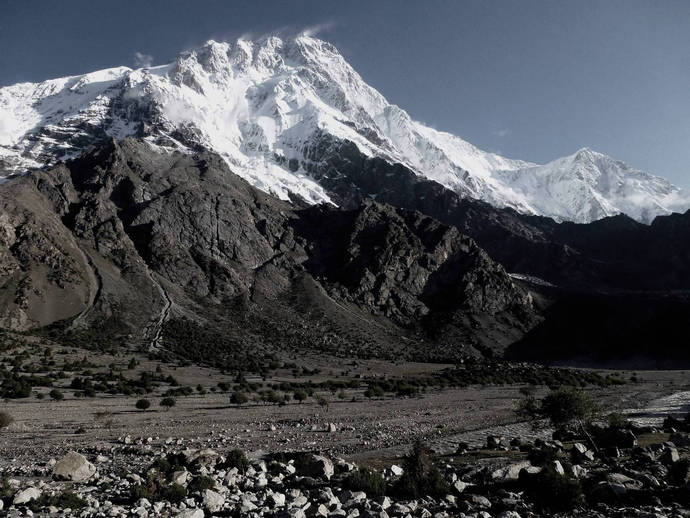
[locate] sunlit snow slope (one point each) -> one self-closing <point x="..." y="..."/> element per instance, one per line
<point x="263" y="104"/>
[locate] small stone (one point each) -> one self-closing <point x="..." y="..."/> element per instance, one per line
<point x="396" y="470"/>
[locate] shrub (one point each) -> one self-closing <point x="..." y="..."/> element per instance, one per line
<point x="421" y="477"/>
<point x="617" y="421"/>
<point x="561" y="407"/>
<point x="374" y="391"/>
<point x="322" y="402"/>
<point x="143" y="404"/>
<point x="238" y="398"/>
<point x="679" y="471"/>
<point x="552" y="491"/>
<point x="174" y="493"/>
<point x="237" y="459"/>
<point x="168" y="402"/>
<point x="200" y="483"/>
<point x="364" y="479"/>
<point x="299" y="395"/>
<point x="56" y="395"/>
<point x="5" y="420"/>
<point x="64" y="500"/>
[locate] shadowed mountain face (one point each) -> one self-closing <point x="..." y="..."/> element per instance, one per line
<point x="612" y="254"/>
<point x="143" y="239"/>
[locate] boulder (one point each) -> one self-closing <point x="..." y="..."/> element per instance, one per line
<point x="190" y="513"/>
<point x="73" y="467"/>
<point x="459" y="486"/>
<point x="180" y="477"/>
<point x="26" y="495"/>
<point x="512" y="471"/>
<point x="396" y="470"/>
<point x="213" y="501"/>
<point x="277" y="499"/>
<point x="319" y="467"/>
<point x="480" y="501"/>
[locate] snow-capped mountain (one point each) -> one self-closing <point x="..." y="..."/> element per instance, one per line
<point x="587" y="186"/>
<point x="264" y="104"/>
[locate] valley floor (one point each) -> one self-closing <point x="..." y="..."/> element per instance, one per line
<point x="366" y="430"/>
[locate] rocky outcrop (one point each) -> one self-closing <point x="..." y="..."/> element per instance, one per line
<point x="137" y="237"/>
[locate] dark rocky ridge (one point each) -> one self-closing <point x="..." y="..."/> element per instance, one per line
<point x="612" y="254"/>
<point x="139" y="237"/>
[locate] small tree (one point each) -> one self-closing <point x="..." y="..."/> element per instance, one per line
<point x="323" y="402"/>
<point x="299" y="395"/>
<point x="56" y="395"/>
<point x="564" y="408"/>
<point x="143" y="404"/>
<point x="238" y="398"/>
<point x="237" y="459"/>
<point x="168" y="402"/>
<point x="420" y="476"/>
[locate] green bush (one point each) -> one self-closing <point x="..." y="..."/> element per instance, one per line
<point x="562" y="407"/>
<point x="167" y="402"/>
<point x="174" y="493"/>
<point x="236" y="459"/>
<point x="56" y="395"/>
<point x="64" y="500"/>
<point x="299" y="395"/>
<point x="364" y="479"/>
<point x="200" y="483"/>
<point x="5" y="419"/>
<point x="420" y="477"/>
<point x="238" y="398"/>
<point x="617" y="421"/>
<point x="553" y="492"/>
<point x="143" y="404"/>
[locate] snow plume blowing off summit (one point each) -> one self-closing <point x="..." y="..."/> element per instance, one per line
<point x="265" y="105"/>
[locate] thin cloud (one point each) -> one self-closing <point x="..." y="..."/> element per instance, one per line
<point x="315" y="30"/>
<point x="502" y="132"/>
<point x="143" y="60"/>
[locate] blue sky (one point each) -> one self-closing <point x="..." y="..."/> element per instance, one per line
<point x="529" y="79"/>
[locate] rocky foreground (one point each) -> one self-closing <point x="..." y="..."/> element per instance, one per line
<point x="609" y="474"/>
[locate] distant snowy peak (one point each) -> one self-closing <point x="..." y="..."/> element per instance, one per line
<point x="264" y="104"/>
<point x="588" y="185"/>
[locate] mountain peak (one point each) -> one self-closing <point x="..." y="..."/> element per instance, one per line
<point x="273" y="107"/>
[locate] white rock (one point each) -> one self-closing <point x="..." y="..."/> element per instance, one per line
<point x="213" y="501"/>
<point x="180" y="477"/>
<point x="74" y="467"/>
<point x="459" y="486"/>
<point x="278" y="499"/>
<point x="26" y="495"/>
<point x="190" y="513"/>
